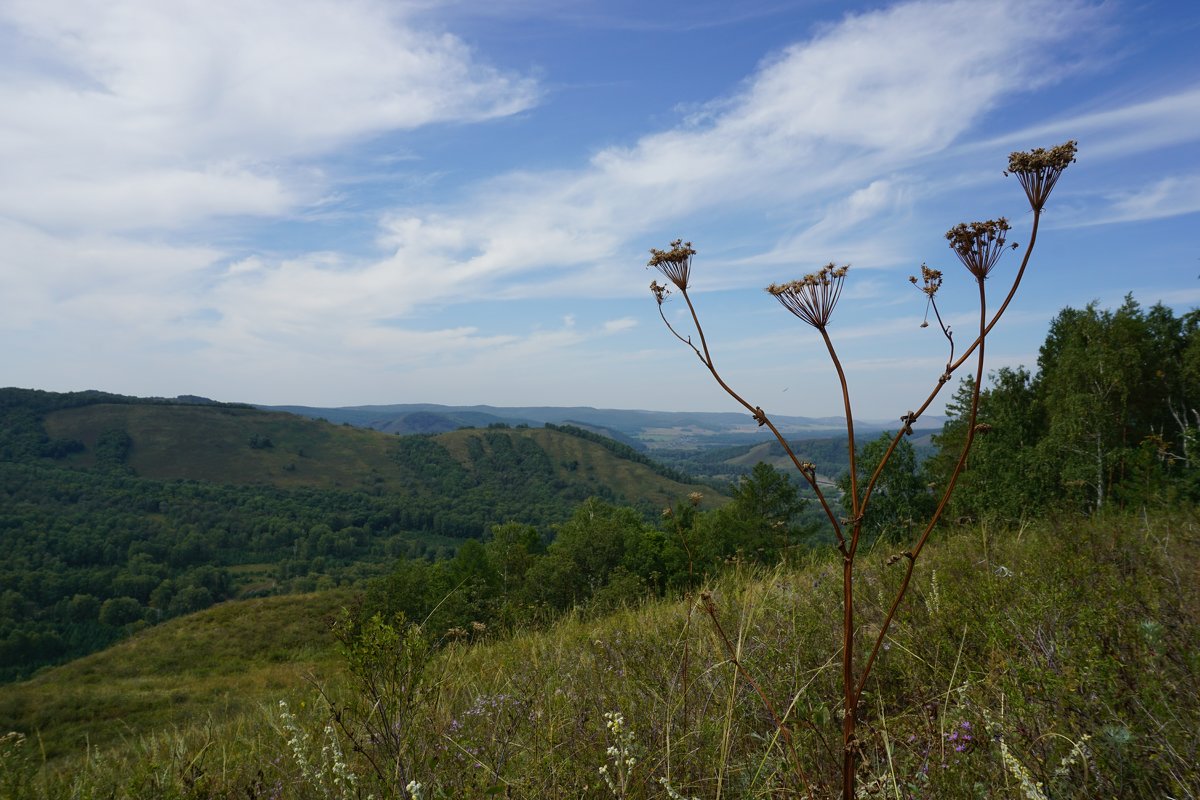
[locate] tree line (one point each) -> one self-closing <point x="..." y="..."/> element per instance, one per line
<point x="605" y="555"/>
<point x="1109" y="419"/>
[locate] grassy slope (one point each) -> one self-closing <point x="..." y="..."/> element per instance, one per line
<point x="217" y="663"/>
<point x="212" y="444"/>
<point x="1054" y="637"/>
<point x="204" y="443"/>
<point x="595" y="464"/>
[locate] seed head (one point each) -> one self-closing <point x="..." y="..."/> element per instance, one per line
<point x="659" y="291"/>
<point x="1039" y="169"/>
<point x="813" y="297"/>
<point x="931" y="280"/>
<point x="978" y="245"/>
<point x="675" y="264"/>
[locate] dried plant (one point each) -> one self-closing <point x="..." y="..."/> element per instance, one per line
<point x="813" y="297"/>
<point x="1039" y="169"/>
<point x="979" y="246"/>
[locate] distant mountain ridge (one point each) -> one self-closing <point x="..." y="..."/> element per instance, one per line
<point x="638" y="428"/>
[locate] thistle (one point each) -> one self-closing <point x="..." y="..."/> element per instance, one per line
<point x="675" y="264"/>
<point x="1039" y="169"/>
<point x="979" y="245"/>
<point x="813" y="297"/>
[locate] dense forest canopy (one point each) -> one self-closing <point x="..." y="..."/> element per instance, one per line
<point x="94" y="549"/>
<point x="1110" y="417"/>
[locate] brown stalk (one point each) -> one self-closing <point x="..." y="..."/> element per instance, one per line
<point x="759" y="415"/>
<point x="911" y="555"/>
<point x="951" y="367"/>
<point x="731" y="654"/>
<point x="812" y="299"/>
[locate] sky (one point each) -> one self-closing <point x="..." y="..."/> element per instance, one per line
<point x="346" y="202"/>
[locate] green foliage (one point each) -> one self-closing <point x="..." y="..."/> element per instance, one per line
<point x="1064" y="657"/>
<point x="165" y="504"/>
<point x="1111" y="417"/>
<point x="761" y="523"/>
<point x="901" y="500"/>
<point x="603" y="557"/>
<point x="119" y="611"/>
<point x="1007" y="477"/>
<point x="622" y="450"/>
<point x="387" y="664"/>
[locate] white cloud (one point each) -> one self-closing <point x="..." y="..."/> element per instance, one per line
<point x="142" y="115"/>
<point x="132" y="113"/>
<point x="823" y="131"/>
<point x="618" y="325"/>
<point x="810" y="133"/>
<point x="1167" y="197"/>
<point x="1140" y="127"/>
<point x="98" y="280"/>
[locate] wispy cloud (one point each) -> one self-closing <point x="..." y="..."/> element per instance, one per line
<point x="618" y="325"/>
<point x="145" y="143"/>
<point x="1128" y="128"/>
<point x="1167" y="197"/>
<point x="811" y="130"/>
<point x="139" y="114"/>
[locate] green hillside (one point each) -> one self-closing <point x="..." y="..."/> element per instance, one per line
<point x="213" y="665"/>
<point x="243" y="446"/>
<point x="1063" y="654"/>
<point x="117" y="512"/>
<point x="226" y="445"/>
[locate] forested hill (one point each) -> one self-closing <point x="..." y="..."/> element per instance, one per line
<point x="241" y="446"/>
<point x="116" y="512"/>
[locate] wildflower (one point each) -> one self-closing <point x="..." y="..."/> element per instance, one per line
<point x="1039" y="169"/>
<point x="695" y="497"/>
<point x="979" y="245"/>
<point x="813" y="297"/>
<point x="675" y="264"/>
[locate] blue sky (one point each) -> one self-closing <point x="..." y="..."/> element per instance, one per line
<point x="347" y="202"/>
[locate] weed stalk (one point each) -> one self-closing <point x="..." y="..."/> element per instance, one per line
<point x="813" y="298"/>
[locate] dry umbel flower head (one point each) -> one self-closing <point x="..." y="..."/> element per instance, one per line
<point x="1039" y="169"/>
<point x="675" y="264"/>
<point x="813" y="297"/>
<point x="979" y="245"/>
<point x="931" y="281"/>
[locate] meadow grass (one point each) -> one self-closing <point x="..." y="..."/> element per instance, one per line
<point x="215" y="664"/>
<point x="1058" y="660"/>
